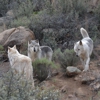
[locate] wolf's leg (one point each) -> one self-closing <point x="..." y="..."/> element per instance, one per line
<point x="83" y="62"/>
<point x="87" y="64"/>
<point x="49" y="58"/>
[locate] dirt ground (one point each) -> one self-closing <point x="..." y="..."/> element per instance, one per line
<point x="71" y="88"/>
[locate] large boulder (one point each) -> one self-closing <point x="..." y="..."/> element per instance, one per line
<point x="16" y="36"/>
<point x="5" y="34"/>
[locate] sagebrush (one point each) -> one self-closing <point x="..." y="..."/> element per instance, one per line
<point x="66" y="58"/>
<point x="16" y="88"/>
<point x="42" y="68"/>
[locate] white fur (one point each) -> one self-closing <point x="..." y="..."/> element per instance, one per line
<point x="84" y="33"/>
<point x="20" y="64"/>
<point x="84" y="49"/>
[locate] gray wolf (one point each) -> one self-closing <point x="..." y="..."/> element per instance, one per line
<point x="20" y="64"/>
<point x="35" y="51"/>
<point x="84" y="48"/>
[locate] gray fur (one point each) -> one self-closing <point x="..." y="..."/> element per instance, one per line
<point x="84" y="48"/>
<point x="35" y="51"/>
<point x="89" y="43"/>
<point x="84" y="33"/>
<point x="46" y="51"/>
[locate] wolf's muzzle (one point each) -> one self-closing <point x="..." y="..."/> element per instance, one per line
<point x="76" y="55"/>
<point x="34" y="50"/>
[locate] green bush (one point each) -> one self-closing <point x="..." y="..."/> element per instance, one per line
<point x="97" y="11"/>
<point x="1" y="48"/>
<point x="42" y="68"/>
<point x="49" y="39"/>
<point x="4" y="7"/>
<point x="95" y="33"/>
<point x="66" y="58"/>
<point x="39" y="15"/>
<point x="20" y="21"/>
<point x="47" y="94"/>
<point x="15" y="88"/>
<point x="69" y="6"/>
<point x="23" y="8"/>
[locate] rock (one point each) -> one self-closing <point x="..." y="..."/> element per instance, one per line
<point x="72" y="71"/>
<point x="70" y="96"/>
<point x="16" y="36"/>
<point x="64" y="89"/>
<point x="87" y="79"/>
<point x="76" y="79"/>
<point x="5" y="34"/>
<point x="80" y="76"/>
<point x="95" y="85"/>
<point x="80" y="92"/>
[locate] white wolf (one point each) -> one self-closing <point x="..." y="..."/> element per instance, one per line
<point x="84" y="48"/>
<point x="20" y="64"/>
<point x="35" y="51"/>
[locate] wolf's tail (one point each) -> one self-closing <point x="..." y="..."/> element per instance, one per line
<point x="84" y="33"/>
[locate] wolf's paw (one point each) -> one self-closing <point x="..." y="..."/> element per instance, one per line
<point x="85" y="70"/>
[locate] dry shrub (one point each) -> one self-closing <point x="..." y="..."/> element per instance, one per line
<point x="16" y="88"/>
<point x="66" y="58"/>
<point x="42" y="68"/>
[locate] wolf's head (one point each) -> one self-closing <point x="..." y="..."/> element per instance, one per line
<point x="78" y="48"/>
<point x="12" y="50"/>
<point x="33" y="45"/>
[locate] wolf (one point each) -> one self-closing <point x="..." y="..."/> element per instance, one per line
<point x="20" y="64"/>
<point x="35" y="51"/>
<point x="84" y="48"/>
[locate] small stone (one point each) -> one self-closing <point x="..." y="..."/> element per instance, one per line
<point x="80" y="76"/>
<point x="70" y="96"/>
<point x="80" y="92"/>
<point x="72" y="71"/>
<point x="88" y="80"/>
<point x="95" y="85"/>
<point x="76" y="79"/>
<point x="64" y="89"/>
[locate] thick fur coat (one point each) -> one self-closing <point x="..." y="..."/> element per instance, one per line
<point x="84" y="48"/>
<point x="35" y="51"/>
<point x="20" y="64"/>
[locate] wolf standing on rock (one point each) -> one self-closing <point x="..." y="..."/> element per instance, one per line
<point x="35" y="51"/>
<point x="84" y="48"/>
<point x="20" y="64"/>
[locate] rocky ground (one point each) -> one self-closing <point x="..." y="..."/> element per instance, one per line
<point x="72" y="88"/>
<point x="77" y="87"/>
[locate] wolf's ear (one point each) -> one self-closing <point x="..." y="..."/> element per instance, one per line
<point x="37" y="41"/>
<point x="81" y="42"/>
<point x="9" y="48"/>
<point x="28" y="42"/>
<point x="14" y="46"/>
